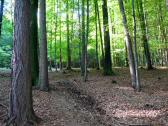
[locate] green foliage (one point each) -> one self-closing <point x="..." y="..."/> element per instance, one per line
<point x="156" y="19"/>
<point x="6" y="43"/>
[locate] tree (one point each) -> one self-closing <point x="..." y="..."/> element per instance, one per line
<point x="43" y="62"/>
<point x="34" y="43"/>
<point x="86" y="43"/>
<point x="68" y="40"/>
<point x="60" y="41"/>
<point x="107" y="59"/>
<point x="83" y="39"/>
<point x="144" y="35"/>
<point x="55" y="43"/>
<point x="1" y="15"/>
<point x="100" y="30"/>
<point x="21" y="104"/>
<point x="128" y="44"/>
<point x="97" y="55"/>
<point x="135" y="48"/>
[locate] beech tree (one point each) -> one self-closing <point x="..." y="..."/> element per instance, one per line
<point x="21" y="104"/>
<point x="34" y="43"/>
<point x="68" y="40"/>
<point x="144" y="34"/>
<point x="43" y="61"/>
<point x="107" y="59"/>
<point x="83" y="39"/>
<point x="128" y="44"/>
<point x="1" y="14"/>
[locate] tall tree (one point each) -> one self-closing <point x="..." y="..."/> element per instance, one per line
<point x="107" y="59"/>
<point x="1" y="15"/>
<point x="80" y="38"/>
<point x="86" y="42"/>
<point x="56" y="25"/>
<point x="21" y="104"/>
<point x="43" y="61"/>
<point x="144" y="35"/>
<point x="128" y="44"/>
<point x="34" y="43"/>
<point x="60" y="65"/>
<point x="68" y="40"/>
<point x="83" y="39"/>
<point x="97" y="55"/>
<point x="100" y="30"/>
<point x="135" y="48"/>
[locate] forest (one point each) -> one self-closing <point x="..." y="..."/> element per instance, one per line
<point x="83" y="62"/>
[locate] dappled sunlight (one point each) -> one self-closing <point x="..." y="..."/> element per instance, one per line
<point x="137" y="113"/>
<point x="125" y="88"/>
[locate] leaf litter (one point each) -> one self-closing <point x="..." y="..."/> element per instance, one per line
<point x="101" y="101"/>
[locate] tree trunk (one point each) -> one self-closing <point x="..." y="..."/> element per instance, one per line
<point x="86" y="43"/>
<point x="68" y="40"/>
<point x="34" y="43"/>
<point x="1" y="15"/>
<point x="128" y="44"/>
<point x="135" y="49"/>
<point x="83" y="39"/>
<point x="144" y="38"/>
<point x="43" y="62"/>
<point x="60" y="65"/>
<point x="50" y="64"/>
<point x="97" y="55"/>
<point x="100" y="31"/>
<point x="21" y="103"/>
<point x="107" y="59"/>
<point x="79" y="23"/>
<point x="55" y="47"/>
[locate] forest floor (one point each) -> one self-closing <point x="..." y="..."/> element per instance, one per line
<point x="101" y="101"/>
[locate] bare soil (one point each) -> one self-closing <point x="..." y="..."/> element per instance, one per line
<point x="101" y="101"/>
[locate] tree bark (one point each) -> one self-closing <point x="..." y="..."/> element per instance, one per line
<point x="21" y="103"/>
<point x="80" y="38"/>
<point x="34" y="43"/>
<point x="68" y="40"/>
<point x="97" y="55"/>
<point x="135" y="49"/>
<point x="1" y="15"/>
<point x="83" y="39"/>
<point x="128" y="44"/>
<point x="100" y="31"/>
<point x="55" y="43"/>
<point x="144" y="37"/>
<point x="86" y="43"/>
<point x="43" y="61"/>
<point x="107" y="59"/>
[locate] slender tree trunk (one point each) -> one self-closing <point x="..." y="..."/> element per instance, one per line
<point x="68" y="40"/>
<point x="144" y="38"/>
<point x="79" y="23"/>
<point x="100" y="31"/>
<point x="1" y="15"/>
<point x="126" y="56"/>
<point x="83" y="39"/>
<point x="97" y="55"/>
<point x="135" y="49"/>
<point x="55" y="48"/>
<point x="50" y="65"/>
<point x="21" y="103"/>
<point x="86" y="43"/>
<point x="128" y="44"/>
<point x="34" y="43"/>
<point x="107" y="59"/>
<point x="61" y="67"/>
<point x="43" y="61"/>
